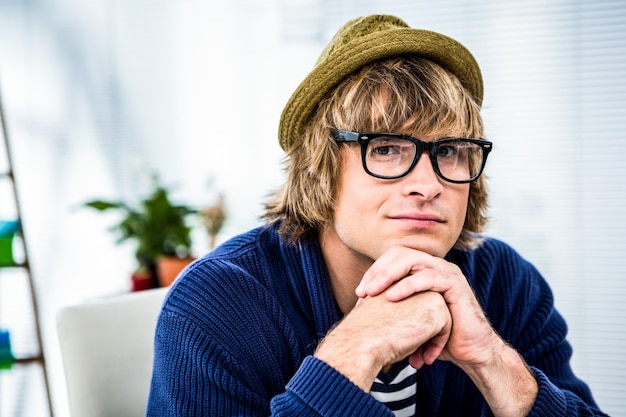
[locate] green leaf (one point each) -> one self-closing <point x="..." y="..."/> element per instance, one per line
<point x="102" y="205"/>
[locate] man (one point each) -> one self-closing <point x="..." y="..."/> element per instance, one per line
<point x="370" y="292"/>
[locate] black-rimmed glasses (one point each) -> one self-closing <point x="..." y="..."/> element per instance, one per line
<point x="391" y="155"/>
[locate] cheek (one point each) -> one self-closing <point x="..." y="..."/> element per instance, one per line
<point x="348" y="197"/>
<point x="462" y="201"/>
<point x="356" y="199"/>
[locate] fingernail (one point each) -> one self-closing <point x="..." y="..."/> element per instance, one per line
<point x="371" y="287"/>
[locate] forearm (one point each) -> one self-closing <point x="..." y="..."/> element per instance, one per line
<point x="505" y="381"/>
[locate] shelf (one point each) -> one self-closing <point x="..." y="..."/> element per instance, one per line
<point x="19" y="265"/>
<point x="24" y="385"/>
<point x="31" y="359"/>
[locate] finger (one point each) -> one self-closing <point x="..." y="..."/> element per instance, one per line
<point x="435" y="346"/>
<point x="426" y="354"/>
<point x="392" y="266"/>
<point x="416" y="360"/>
<point x="425" y="280"/>
<point x="430" y="351"/>
<point x="375" y="282"/>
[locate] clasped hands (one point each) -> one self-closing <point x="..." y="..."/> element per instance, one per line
<point x="411" y="305"/>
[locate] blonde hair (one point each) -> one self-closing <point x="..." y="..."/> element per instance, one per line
<point x="406" y="94"/>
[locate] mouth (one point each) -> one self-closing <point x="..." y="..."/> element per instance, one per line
<point x="420" y="220"/>
<point x="418" y="217"/>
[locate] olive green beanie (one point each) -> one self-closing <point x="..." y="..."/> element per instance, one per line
<point x="364" y="40"/>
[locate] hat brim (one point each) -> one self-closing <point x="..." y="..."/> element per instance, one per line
<point x="345" y="60"/>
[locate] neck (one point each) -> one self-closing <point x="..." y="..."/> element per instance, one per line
<point x="345" y="268"/>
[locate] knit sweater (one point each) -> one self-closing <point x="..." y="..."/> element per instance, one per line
<point x="238" y="329"/>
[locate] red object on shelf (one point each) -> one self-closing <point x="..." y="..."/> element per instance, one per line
<point x="141" y="280"/>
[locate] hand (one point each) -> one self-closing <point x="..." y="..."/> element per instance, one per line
<point x="401" y="272"/>
<point x="379" y="332"/>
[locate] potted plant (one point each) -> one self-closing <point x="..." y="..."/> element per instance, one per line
<point x="159" y="230"/>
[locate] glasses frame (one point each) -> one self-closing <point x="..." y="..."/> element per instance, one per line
<point x="364" y="138"/>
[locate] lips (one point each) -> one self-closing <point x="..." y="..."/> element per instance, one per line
<point x="418" y="217"/>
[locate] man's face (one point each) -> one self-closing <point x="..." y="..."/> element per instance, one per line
<point x="419" y="210"/>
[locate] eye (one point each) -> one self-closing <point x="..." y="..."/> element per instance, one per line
<point x="384" y="150"/>
<point x="388" y="148"/>
<point x="449" y="149"/>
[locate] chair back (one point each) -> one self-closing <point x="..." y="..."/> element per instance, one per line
<point x="107" y="351"/>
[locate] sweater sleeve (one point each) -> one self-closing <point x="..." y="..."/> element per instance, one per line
<point x="520" y="304"/>
<point x="235" y="341"/>
<point x="553" y="401"/>
<point x="319" y="390"/>
<point x="561" y="392"/>
<point x="194" y="376"/>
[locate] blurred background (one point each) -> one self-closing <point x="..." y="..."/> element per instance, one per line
<point x="100" y="94"/>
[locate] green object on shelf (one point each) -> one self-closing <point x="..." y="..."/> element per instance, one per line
<point x="6" y="355"/>
<point x="8" y="229"/>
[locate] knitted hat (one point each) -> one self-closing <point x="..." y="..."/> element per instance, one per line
<point x="364" y="40"/>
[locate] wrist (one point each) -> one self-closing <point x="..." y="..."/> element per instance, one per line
<point x="356" y="359"/>
<point x="506" y="382"/>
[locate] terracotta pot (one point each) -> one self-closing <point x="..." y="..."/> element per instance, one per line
<point x="168" y="269"/>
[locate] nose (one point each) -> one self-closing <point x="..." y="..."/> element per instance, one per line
<point x="423" y="180"/>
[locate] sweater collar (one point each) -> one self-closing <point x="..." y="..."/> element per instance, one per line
<point x="325" y="309"/>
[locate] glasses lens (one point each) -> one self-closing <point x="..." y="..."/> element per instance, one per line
<point x="459" y="160"/>
<point x="389" y="156"/>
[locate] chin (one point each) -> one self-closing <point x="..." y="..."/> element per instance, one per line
<point x="426" y="245"/>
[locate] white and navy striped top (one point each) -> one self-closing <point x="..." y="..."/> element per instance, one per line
<point x="396" y="389"/>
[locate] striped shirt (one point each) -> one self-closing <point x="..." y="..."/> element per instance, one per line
<point x="396" y="389"/>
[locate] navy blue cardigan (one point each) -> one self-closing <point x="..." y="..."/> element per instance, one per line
<point x="237" y="331"/>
